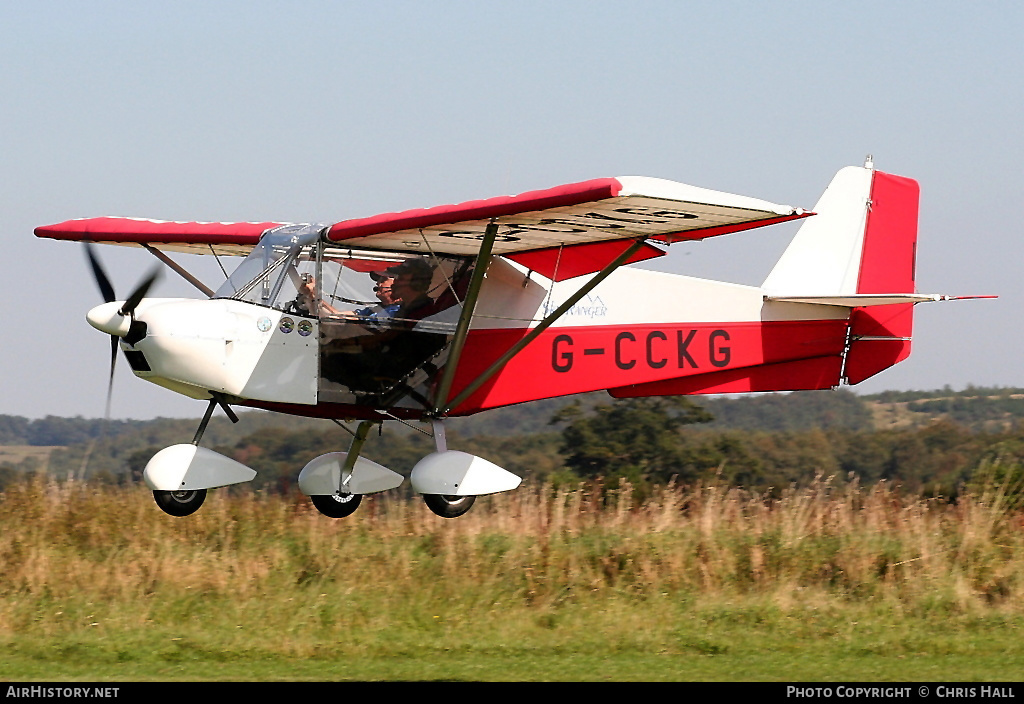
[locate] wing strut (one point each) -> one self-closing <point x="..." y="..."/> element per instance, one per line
<point x="178" y="269"/>
<point x="483" y="259"/>
<point x="544" y="324"/>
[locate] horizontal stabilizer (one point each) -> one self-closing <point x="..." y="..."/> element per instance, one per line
<point x="863" y="300"/>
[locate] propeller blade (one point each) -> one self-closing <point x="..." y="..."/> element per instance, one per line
<point x="113" y="363"/>
<point x="139" y="293"/>
<point x="106" y="289"/>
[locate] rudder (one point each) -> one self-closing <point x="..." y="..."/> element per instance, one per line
<point x="881" y="335"/>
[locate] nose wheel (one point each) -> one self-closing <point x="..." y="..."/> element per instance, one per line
<point x="448" y="506"/>
<point x="180" y="503"/>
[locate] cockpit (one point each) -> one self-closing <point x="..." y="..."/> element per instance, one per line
<point x="385" y="318"/>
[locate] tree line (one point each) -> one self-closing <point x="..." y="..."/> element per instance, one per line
<point x="764" y="442"/>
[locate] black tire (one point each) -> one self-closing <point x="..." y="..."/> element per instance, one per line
<point x="448" y="506"/>
<point x="336" y="505"/>
<point x="180" y="503"/>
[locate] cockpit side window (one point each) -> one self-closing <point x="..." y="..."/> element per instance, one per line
<point x="386" y="336"/>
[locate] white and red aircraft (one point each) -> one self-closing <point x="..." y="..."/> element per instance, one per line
<point x="427" y="314"/>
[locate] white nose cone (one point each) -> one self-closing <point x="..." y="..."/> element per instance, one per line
<point x="107" y="318"/>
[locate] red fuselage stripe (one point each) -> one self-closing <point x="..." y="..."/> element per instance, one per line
<point x="570" y="360"/>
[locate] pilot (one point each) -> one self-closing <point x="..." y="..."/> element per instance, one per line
<point x="374" y="362"/>
<point x="388" y="305"/>
<point x="306" y="301"/>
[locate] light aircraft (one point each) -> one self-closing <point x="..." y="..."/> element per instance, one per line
<point x="427" y="314"/>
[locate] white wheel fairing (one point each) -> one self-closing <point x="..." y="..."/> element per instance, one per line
<point x="454" y="473"/>
<point x="323" y="476"/>
<point x="187" y="467"/>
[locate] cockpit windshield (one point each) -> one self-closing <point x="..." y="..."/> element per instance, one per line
<point x="291" y="270"/>
<point x="276" y="269"/>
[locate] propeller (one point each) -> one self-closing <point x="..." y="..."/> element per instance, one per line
<point x="136" y="296"/>
<point x="128" y="309"/>
<point x="106" y="289"/>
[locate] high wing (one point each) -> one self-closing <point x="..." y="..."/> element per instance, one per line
<point x="559" y="232"/>
<point x="568" y="230"/>
<point x="222" y="238"/>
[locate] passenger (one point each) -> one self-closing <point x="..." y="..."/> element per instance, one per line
<point x="411" y="283"/>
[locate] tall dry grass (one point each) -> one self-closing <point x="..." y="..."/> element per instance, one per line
<point x="532" y="546"/>
<point x="99" y="574"/>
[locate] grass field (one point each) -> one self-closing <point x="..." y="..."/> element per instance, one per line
<point x="832" y="582"/>
<point x="16" y="454"/>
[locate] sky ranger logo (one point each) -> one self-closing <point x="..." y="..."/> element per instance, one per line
<point x="590" y="306"/>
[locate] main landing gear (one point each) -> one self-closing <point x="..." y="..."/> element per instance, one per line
<point x="180" y="503"/>
<point x="337" y="481"/>
<point x="449" y="481"/>
<point x="449" y="506"/>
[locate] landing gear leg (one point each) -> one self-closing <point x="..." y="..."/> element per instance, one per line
<point x="216" y="400"/>
<point x="342" y="502"/>
<point x="444" y="505"/>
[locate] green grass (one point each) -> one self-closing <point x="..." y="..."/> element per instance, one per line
<point x="834" y="582"/>
<point x="600" y="640"/>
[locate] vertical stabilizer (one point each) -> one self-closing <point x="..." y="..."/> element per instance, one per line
<point x="825" y="255"/>
<point x="863" y="239"/>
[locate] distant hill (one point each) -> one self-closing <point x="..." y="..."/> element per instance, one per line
<point x="56" y="431"/>
<point x="975" y="408"/>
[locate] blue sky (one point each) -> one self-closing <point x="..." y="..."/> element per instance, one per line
<point x="322" y="111"/>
